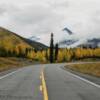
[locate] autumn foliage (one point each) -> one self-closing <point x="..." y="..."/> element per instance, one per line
<point x="64" y="55"/>
<point x="12" y="45"/>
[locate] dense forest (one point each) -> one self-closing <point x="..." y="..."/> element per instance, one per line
<point x="58" y="55"/>
<point x="63" y="55"/>
<point x="12" y="45"/>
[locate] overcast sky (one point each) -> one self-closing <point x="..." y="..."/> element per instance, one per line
<point x="41" y="17"/>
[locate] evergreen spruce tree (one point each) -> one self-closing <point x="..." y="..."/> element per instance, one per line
<point x="56" y="52"/>
<point x="51" y="49"/>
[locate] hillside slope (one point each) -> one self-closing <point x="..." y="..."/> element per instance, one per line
<point x="11" y="40"/>
<point x="36" y="45"/>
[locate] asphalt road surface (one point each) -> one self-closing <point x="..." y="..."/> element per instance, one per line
<point x="26" y="84"/>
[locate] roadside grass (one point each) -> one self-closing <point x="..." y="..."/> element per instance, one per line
<point x="89" y="59"/>
<point x="88" y="68"/>
<point x="13" y="62"/>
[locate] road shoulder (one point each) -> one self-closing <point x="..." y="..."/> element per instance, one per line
<point x="91" y="78"/>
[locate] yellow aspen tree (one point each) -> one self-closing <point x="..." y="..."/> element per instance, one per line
<point x="60" y="56"/>
<point x="78" y="53"/>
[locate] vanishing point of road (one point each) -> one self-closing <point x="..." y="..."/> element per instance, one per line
<point x="46" y="82"/>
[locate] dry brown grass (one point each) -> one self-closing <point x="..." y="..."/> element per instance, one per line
<point x="90" y="68"/>
<point x="12" y="62"/>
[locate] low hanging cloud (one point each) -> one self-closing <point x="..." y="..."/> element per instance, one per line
<point x="40" y="18"/>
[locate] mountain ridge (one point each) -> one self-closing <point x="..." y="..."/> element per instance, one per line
<point x="93" y="43"/>
<point x="13" y="39"/>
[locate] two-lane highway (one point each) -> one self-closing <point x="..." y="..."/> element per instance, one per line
<point x="38" y="81"/>
<point x="63" y="85"/>
<point x="23" y="84"/>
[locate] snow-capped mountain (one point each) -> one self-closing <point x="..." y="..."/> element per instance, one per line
<point x="92" y="43"/>
<point x="68" y="31"/>
<point x="34" y="38"/>
<point x="83" y="42"/>
<point x="89" y="43"/>
<point x="67" y="42"/>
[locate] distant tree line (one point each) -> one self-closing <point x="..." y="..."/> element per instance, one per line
<point x="52" y="54"/>
<point x="65" y="55"/>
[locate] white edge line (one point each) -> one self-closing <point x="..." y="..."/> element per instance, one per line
<point x="8" y="74"/>
<point x="85" y="80"/>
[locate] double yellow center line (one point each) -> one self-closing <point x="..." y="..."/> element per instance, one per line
<point x="43" y="87"/>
